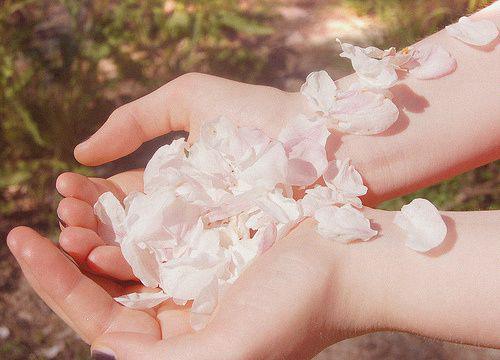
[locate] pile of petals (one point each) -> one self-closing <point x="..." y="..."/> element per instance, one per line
<point x="210" y="208"/>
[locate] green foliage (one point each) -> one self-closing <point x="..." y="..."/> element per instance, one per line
<point x="66" y="64"/>
<point x="408" y="21"/>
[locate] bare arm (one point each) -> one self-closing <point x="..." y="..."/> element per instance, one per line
<point x="451" y="293"/>
<point x="447" y="126"/>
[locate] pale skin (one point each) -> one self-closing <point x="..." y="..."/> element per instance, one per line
<point x="306" y="292"/>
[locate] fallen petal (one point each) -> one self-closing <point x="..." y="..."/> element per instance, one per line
<point x="424" y="226"/>
<point x="432" y="62"/>
<point x="343" y="224"/>
<point x="320" y="90"/>
<point x="479" y="33"/>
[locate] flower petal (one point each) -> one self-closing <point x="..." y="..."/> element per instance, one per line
<point x="377" y="73"/>
<point x="170" y="155"/>
<point x="320" y="90"/>
<point x="364" y="113"/>
<point x="343" y="224"/>
<point x="424" y="226"/>
<point x="111" y="217"/>
<point x="142" y="301"/>
<point x="479" y="32"/>
<point x="431" y="62"/>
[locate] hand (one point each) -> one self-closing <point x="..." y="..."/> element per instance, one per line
<point x="184" y="104"/>
<point x="293" y="301"/>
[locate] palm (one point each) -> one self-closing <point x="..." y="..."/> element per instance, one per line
<point x="270" y="290"/>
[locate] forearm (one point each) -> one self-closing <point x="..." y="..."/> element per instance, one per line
<point x="450" y="293"/>
<point x="446" y="126"/>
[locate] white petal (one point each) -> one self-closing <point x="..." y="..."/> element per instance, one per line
<point x="171" y="155"/>
<point x="185" y="278"/>
<point x="343" y="224"/>
<point x="111" y="217"/>
<point x="342" y="176"/>
<point x="432" y="62"/>
<point x="142" y="261"/>
<point x="424" y="226"/>
<point x="373" y="73"/>
<point x="364" y="113"/>
<point x="320" y="90"/>
<point x="280" y="208"/>
<point x="142" y="301"/>
<point x="304" y="140"/>
<point x="479" y="33"/>
<point x="304" y="128"/>
<point x="268" y="170"/>
<point x="319" y="197"/>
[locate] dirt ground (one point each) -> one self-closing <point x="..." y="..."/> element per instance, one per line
<point x="29" y="330"/>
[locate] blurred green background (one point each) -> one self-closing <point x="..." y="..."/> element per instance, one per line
<point x="66" y="64"/>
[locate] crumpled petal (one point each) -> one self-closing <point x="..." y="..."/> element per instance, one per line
<point x="141" y="301"/>
<point x="320" y="90"/>
<point x="364" y="113"/>
<point x="184" y="278"/>
<point x="431" y="62"/>
<point x="318" y="197"/>
<point x="343" y="177"/>
<point x="424" y="226"/>
<point x="343" y="224"/>
<point x="270" y="169"/>
<point x="170" y="155"/>
<point x="304" y="141"/>
<point x="111" y="217"/>
<point x="281" y="209"/>
<point x="373" y="66"/>
<point x="474" y="32"/>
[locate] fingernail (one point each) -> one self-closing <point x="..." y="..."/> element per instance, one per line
<point x="62" y="223"/>
<point x="102" y="354"/>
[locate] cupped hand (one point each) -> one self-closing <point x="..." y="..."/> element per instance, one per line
<point x="292" y="302"/>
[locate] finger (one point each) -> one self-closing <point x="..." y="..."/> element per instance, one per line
<point x="108" y="261"/>
<point x="83" y="304"/>
<point x="174" y="319"/>
<point x="89" y="189"/>
<point x="74" y="212"/>
<point x="143" y="119"/>
<point x="78" y="242"/>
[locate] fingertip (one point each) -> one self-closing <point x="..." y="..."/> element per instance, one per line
<point x="81" y="154"/>
<point x="15" y="237"/>
<point x="65" y="183"/>
<point x="79" y="242"/>
<point x="108" y="260"/>
<point x="18" y="241"/>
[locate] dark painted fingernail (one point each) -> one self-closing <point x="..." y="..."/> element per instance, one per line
<point x="101" y="355"/>
<point x="62" y="223"/>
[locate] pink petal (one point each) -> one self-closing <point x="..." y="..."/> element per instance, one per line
<point x="423" y="225"/>
<point x="432" y="62"/>
<point x="171" y="155"/>
<point x="343" y="224"/>
<point x="364" y="113"/>
<point x="479" y="33"/>
<point x="343" y="177"/>
<point x="142" y="301"/>
<point x="111" y="217"/>
<point x="267" y="171"/>
<point x="320" y="90"/>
